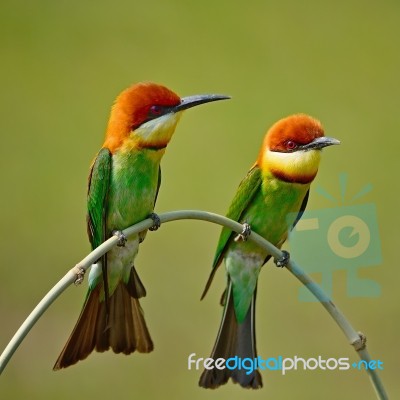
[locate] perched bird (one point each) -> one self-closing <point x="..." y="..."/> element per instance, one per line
<point x="123" y="185"/>
<point x="270" y="199"/>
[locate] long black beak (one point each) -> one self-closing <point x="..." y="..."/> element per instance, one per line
<point x="320" y="142"/>
<point x="192" y="101"/>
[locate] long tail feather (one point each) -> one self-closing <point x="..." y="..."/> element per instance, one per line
<point x="234" y="339"/>
<point x="125" y="330"/>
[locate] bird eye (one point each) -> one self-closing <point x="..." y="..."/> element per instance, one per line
<point x="155" y="111"/>
<point x="291" y="145"/>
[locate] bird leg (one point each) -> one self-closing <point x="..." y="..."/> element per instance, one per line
<point x="244" y="235"/>
<point x="121" y="238"/>
<point x="282" y="261"/>
<point x="156" y="221"/>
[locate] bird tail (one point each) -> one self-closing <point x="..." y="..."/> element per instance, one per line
<point x="234" y="339"/>
<point x="124" y="329"/>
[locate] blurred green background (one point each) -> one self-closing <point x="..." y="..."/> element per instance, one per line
<point x="62" y="65"/>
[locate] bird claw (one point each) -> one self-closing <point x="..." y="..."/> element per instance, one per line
<point x="121" y="238"/>
<point x="361" y="343"/>
<point x="80" y="274"/>
<point x="282" y="261"/>
<point x="244" y="235"/>
<point x="156" y="221"/>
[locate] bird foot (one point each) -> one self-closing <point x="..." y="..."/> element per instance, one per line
<point x="361" y="343"/>
<point x="284" y="260"/>
<point x="80" y="274"/>
<point x="121" y="238"/>
<point x="156" y="221"/>
<point x="244" y="235"/>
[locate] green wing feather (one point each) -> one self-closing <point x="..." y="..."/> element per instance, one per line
<point x="99" y="183"/>
<point x="302" y="209"/>
<point x="98" y="186"/>
<point x="158" y="185"/>
<point x="243" y="197"/>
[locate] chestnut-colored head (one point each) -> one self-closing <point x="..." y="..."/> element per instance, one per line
<point x="133" y="107"/>
<point x="292" y="147"/>
<point x="147" y="114"/>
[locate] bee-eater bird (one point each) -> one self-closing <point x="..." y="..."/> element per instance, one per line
<point x="123" y="185"/>
<point x="270" y="199"/>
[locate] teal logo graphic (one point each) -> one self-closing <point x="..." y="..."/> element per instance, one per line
<point x="345" y="237"/>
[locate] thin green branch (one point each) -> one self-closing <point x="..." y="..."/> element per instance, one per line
<point x="354" y="338"/>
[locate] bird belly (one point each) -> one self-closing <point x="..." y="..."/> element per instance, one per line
<point x="243" y="268"/>
<point x="133" y="190"/>
<point x="271" y="217"/>
<point x="119" y="263"/>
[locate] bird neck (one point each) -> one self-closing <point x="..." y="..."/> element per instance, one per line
<point x="131" y="148"/>
<point x="296" y="167"/>
<point x="152" y="135"/>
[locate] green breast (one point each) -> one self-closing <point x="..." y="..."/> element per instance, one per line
<point x="133" y="187"/>
<point x="274" y="209"/>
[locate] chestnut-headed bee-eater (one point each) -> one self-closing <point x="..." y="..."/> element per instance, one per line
<point x="123" y="185"/>
<point x="271" y="199"/>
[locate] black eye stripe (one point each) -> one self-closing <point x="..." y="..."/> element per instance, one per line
<point x="157" y="110"/>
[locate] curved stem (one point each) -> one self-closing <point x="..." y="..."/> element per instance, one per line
<point x="354" y="338"/>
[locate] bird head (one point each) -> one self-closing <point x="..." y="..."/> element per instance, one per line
<point x="147" y="115"/>
<point x="292" y="148"/>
